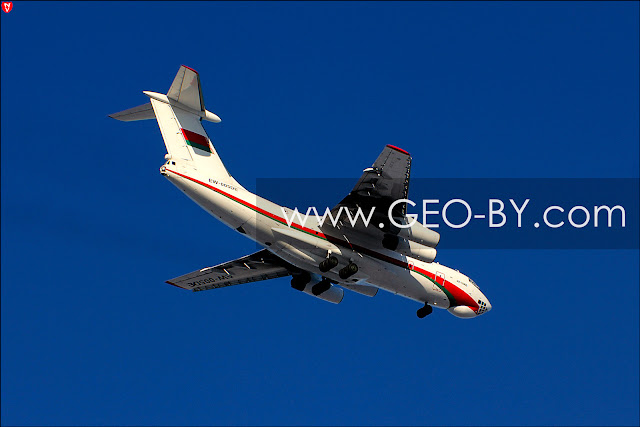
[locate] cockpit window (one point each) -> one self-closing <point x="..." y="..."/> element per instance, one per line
<point x="474" y="284"/>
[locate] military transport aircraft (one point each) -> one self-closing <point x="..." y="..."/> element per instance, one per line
<point x="322" y="257"/>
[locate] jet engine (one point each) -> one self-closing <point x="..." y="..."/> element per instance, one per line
<point x="416" y="233"/>
<point x="419" y="234"/>
<point x="318" y="287"/>
<point x="409" y="248"/>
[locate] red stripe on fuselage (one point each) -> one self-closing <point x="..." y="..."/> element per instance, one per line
<point x="460" y="296"/>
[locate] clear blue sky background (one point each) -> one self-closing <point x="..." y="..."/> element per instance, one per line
<point x="90" y="230"/>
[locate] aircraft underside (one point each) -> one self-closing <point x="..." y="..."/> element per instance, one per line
<point x="321" y="258"/>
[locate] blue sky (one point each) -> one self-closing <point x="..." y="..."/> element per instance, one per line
<point x="90" y="230"/>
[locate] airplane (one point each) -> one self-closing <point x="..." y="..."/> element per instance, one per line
<point x="322" y="257"/>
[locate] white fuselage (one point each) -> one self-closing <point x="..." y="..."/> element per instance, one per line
<point x="306" y="246"/>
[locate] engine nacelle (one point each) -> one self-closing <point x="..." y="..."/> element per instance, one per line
<point x="333" y="295"/>
<point x="416" y="233"/>
<point x="416" y="250"/>
<point x="409" y="248"/>
<point x="419" y="234"/>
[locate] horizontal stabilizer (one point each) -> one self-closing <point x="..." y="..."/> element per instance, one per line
<point x="141" y="112"/>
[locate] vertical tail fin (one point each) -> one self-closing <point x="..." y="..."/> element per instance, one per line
<point x="179" y="114"/>
<point x="187" y="90"/>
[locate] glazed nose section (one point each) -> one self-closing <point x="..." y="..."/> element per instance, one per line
<point x="484" y="305"/>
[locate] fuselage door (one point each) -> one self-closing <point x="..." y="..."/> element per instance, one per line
<point x="440" y="278"/>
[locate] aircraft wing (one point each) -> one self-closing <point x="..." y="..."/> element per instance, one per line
<point x="381" y="184"/>
<point x="141" y="112"/>
<point x="262" y="265"/>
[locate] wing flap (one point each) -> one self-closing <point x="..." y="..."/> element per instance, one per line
<point x="382" y="184"/>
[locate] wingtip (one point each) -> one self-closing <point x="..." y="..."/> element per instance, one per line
<point x="173" y="284"/>
<point x="115" y="116"/>
<point x="399" y="149"/>
<point x="189" y="68"/>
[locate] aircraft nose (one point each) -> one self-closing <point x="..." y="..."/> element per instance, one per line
<point x="484" y="305"/>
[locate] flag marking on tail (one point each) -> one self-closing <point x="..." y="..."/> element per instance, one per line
<point x="196" y="140"/>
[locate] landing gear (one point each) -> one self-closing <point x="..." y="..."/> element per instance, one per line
<point x="424" y="311"/>
<point x="321" y="287"/>
<point x="328" y="264"/>
<point x="299" y="281"/>
<point x="348" y="271"/>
